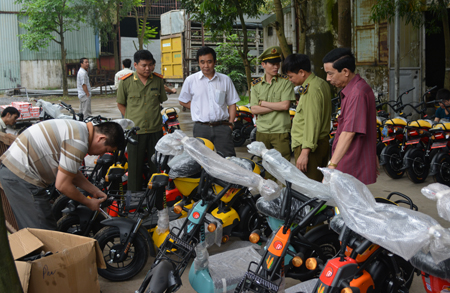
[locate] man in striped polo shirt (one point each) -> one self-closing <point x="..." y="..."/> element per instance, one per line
<point x="52" y="152"/>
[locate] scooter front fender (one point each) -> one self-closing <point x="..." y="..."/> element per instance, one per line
<point x="434" y="165"/>
<point x="407" y="158"/>
<point x="126" y="226"/>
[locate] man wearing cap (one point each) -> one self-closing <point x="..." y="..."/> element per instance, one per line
<point x="271" y="97"/>
<point x="139" y="97"/>
<point x="311" y="123"/>
<point x="212" y="98"/>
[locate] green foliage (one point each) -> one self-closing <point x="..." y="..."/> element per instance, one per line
<point x="244" y="101"/>
<point x="269" y="7"/>
<point x="230" y="63"/>
<point x="411" y="11"/>
<point x="150" y="32"/>
<point x="47" y="20"/>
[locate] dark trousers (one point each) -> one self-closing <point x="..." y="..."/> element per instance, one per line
<point x="318" y="158"/>
<point x="279" y="141"/>
<point x="136" y="158"/>
<point x="29" y="203"/>
<point x="219" y="135"/>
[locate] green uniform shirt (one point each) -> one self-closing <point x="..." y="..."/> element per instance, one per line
<point x="312" y="118"/>
<point x="280" y="89"/>
<point x="143" y="101"/>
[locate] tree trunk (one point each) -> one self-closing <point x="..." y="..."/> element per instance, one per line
<point x="63" y="59"/>
<point x="344" y="24"/>
<point x="9" y="279"/>
<point x="116" y="33"/>
<point x="244" y="52"/>
<point x="446" y="30"/>
<point x="144" y="24"/>
<point x="279" y="27"/>
<point x="301" y="7"/>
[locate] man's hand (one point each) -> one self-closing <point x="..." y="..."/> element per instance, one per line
<point x="302" y="162"/>
<point x="94" y="203"/>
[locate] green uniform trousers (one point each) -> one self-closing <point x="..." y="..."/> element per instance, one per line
<point x="318" y="158"/>
<point x="138" y="155"/>
<point x="279" y="141"/>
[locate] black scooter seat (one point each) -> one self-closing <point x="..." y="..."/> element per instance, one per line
<point x="273" y="208"/>
<point x="424" y="262"/>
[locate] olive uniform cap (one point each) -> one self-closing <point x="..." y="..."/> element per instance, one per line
<point x="272" y="55"/>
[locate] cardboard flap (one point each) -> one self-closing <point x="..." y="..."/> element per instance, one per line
<point x="23" y="242"/>
<point x="23" y="270"/>
<point x="99" y="257"/>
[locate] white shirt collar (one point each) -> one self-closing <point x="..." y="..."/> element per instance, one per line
<point x="202" y="75"/>
<point x="2" y="124"/>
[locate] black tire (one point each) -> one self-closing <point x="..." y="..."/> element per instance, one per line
<point x="108" y="239"/>
<point x="419" y="168"/>
<point x="328" y="242"/>
<point x="58" y="205"/>
<point x="71" y="224"/>
<point x="238" y="137"/>
<point x="384" y="276"/>
<point x="393" y="162"/>
<point x="251" y="220"/>
<point x="380" y="147"/>
<point x="173" y="128"/>
<point x="443" y="173"/>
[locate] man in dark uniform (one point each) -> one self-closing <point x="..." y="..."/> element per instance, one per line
<point x="138" y="98"/>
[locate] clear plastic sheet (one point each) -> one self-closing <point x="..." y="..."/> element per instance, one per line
<point x="125" y="123"/>
<point x="241" y="162"/>
<point x="54" y="110"/>
<point x="170" y="144"/>
<point x="273" y="208"/>
<point x="163" y="221"/>
<point x="440" y="193"/>
<point x="283" y="170"/>
<point x="400" y="230"/>
<point x="183" y="165"/>
<point x="227" y="268"/>
<point x="201" y="260"/>
<point x="218" y="166"/>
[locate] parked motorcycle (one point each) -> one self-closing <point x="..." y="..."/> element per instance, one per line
<point x="440" y="164"/>
<point x="170" y="119"/>
<point x="244" y="123"/>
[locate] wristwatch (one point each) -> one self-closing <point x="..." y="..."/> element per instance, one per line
<point x="331" y="164"/>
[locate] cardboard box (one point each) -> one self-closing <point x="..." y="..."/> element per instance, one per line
<point x="71" y="268"/>
<point x="34" y="110"/>
<point x="25" y="115"/>
<point x="21" y="106"/>
<point x="34" y="114"/>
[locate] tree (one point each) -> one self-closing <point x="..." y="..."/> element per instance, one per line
<point x="279" y="27"/>
<point x="9" y="279"/>
<point x="344" y="24"/>
<point x="105" y="16"/>
<point x="230" y="63"/>
<point x="149" y="33"/>
<point x="49" y="20"/>
<point x="141" y="23"/>
<point x="411" y="11"/>
<point x="220" y="16"/>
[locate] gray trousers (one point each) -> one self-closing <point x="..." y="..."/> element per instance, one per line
<point x="30" y="203"/>
<point x="85" y="106"/>
<point x="219" y="135"/>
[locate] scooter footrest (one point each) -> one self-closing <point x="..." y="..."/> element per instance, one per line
<point x="254" y="283"/>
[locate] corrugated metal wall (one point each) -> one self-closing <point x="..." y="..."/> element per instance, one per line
<point x="78" y="44"/>
<point x="10" y="57"/>
<point x="10" y="6"/>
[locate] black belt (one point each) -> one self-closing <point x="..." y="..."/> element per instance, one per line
<point x="216" y="123"/>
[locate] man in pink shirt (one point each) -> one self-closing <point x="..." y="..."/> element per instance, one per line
<point x="354" y="147"/>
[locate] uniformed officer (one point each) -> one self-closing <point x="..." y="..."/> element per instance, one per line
<point x="138" y="98"/>
<point x="271" y="97"/>
<point x="311" y="123"/>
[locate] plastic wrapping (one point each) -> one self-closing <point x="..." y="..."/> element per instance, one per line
<point x="170" y="144"/>
<point x="218" y="166"/>
<point x="125" y="123"/>
<point x="440" y="193"/>
<point x="227" y="268"/>
<point x="241" y="162"/>
<point x="183" y="165"/>
<point x="283" y="170"/>
<point x="273" y="208"/>
<point x="163" y="221"/>
<point x="53" y="110"/>
<point x="201" y="260"/>
<point x="402" y="231"/>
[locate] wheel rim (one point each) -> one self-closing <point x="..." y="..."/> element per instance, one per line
<point x="418" y="166"/>
<point x="444" y="171"/>
<point x="396" y="162"/>
<point x="110" y="254"/>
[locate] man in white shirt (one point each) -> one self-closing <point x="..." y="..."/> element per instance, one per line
<point x="84" y="88"/>
<point x="208" y="94"/>
<point x="9" y="117"/>
<point x="126" y="69"/>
